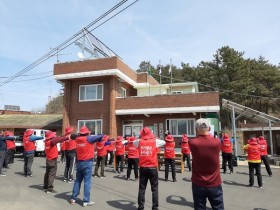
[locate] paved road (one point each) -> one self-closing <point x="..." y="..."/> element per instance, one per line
<point x="114" y="192"/>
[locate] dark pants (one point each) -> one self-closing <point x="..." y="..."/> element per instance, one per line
<point x="62" y="156"/>
<point x="28" y="161"/>
<point x="111" y="158"/>
<point x="257" y="167"/>
<point x="100" y="161"/>
<point x="2" y="159"/>
<point x="119" y="160"/>
<point x="70" y="164"/>
<point x="10" y="156"/>
<point x="132" y="162"/>
<point x="187" y="156"/>
<point x="213" y="194"/>
<point x="145" y="175"/>
<point x="227" y="160"/>
<point x="266" y="163"/>
<point x="170" y="162"/>
<point x="51" y="168"/>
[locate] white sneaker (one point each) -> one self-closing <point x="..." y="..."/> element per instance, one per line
<point x="88" y="204"/>
<point x="2" y="174"/>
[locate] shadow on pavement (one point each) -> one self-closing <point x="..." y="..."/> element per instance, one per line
<point x="37" y="187"/>
<point x="244" y="173"/>
<point x="123" y="177"/>
<point x="122" y="204"/>
<point x="187" y="180"/>
<point x="20" y="173"/>
<point x="178" y="200"/>
<point x="235" y="183"/>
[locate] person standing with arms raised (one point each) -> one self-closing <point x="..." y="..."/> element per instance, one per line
<point x="254" y="161"/>
<point x="262" y="142"/>
<point x="185" y="149"/>
<point x="206" y="178"/>
<point x="227" y="153"/>
<point x="85" y="156"/>
<point x="169" y="157"/>
<point x="29" y="150"/>
<point x="148" y="162"/>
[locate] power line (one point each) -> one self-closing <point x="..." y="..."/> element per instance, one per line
<point x="60" y="47"/>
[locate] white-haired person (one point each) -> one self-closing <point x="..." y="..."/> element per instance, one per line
<point x="206" y="178"/>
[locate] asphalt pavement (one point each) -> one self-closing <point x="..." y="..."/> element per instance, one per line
<point x="115" y="192"/>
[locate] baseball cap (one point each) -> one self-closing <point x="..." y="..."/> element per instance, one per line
<point x="202" y="123"/>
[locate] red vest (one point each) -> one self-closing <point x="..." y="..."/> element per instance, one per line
<point x="101" y="149"/>
<point x="169" y="149"/>
<point x="226" y="146"/>
<point x="85" y="150"/>
<point x="10" y="144"/>
<point x="185" y="149"/>
<point x="51" y="152"/>
<point x="62" y="146"/>
<point x="120" y="149"/>
<point x="70" y="144"/>
<point x="263" y="145"/>
<point x="148" y="153"/>
<point x="132" y="151"/>
<point x="254" y="152"/>
<point x="111" y="147"/>
<point x="28" y="145"/>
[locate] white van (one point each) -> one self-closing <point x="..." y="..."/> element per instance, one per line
<point x="40" y="144"/>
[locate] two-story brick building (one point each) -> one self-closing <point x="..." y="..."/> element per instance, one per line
<point x="109" y="97"/>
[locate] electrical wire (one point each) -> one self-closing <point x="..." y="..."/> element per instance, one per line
<point x="60" y="47"/>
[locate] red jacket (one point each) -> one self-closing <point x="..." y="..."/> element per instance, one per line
<point x="120" y="148"/>
<point x="51" y="147"/>
<point x="28" y="145"/>
<point x="185" y="148"/>
<point x="263" y="145"/>
<point x="111" y="147"/>
<point x="70" y="144"/>
<point x="147" y="153"/>
<point x="254" y="152"/>
<point x="132" y="151"/>
<point x="85" y="150"/>
<point x="10" y="144"/>
<point x="169" y="149"/>
<point x="226" y="146"/>
<point x="101" y="148"/>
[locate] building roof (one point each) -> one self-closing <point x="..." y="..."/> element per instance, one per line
<point x="248" y="112"/>
<point x="31" y="121"/>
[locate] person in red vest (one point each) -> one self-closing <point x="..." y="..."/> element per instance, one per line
<point x="29" y="150"/>
<point x="227" y="153"/>
<point x="262" y="142"/>
<point x="70" y="151"/>
<point x="133" y="158"/>
<point x="148" y="162"/>
<point x="11" y="149"/>
<point x="101" y="155"/>
<point x="169" y="157"/>
<point x="110" y="151"/>
<point x="206" y="177"/>
<point x="254" y="161"/>
<point x="3" y="149"/>
<point x="120" y="150"/>
<point x="51" y="159"/>
<point x="185" y="149"/>
<point x="85" y="157"/>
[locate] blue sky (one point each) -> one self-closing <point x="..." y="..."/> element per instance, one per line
<point x="187" y="31"/>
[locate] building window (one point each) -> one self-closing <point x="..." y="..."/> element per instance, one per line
<point x="178" y="127"/>
<point x="177" y="92"/>
<point x="123" y="92"/>
<point x="91" y="92"/>
<point x="95" y="126"/>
